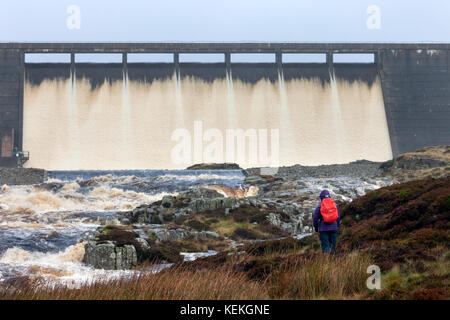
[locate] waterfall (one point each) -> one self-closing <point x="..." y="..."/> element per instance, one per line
<point x="128" y="124"/>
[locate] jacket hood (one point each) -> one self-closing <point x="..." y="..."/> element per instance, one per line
<point x="324" y="194"/>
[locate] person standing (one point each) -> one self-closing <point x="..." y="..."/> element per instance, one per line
<point x="326" y="221"/>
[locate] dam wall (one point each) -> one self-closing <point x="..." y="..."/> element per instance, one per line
<point x="11" y="103"/>
<point x="121" y="115"/>
<point x="416" y="89"/>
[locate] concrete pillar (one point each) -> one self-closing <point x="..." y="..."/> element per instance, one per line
<point x="72" y="67"/>
<point x="19" y="135"/>
<point x="279" y="61"/>
<point x="330" y="64"/>
<point x="228" y="64"/>
<point x="125" y="66"/>
<point x="12" y="79"/>
<point x="176" y="61"/>
<point x="330" y="59"/>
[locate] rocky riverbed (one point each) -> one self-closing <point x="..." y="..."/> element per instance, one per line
<point x="264" y="207"/>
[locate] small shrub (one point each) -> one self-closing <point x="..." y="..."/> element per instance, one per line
<point x="246" y="233"/>
<point x="197" y="225"/>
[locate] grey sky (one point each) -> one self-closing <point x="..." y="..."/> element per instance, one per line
<point x="226" y="20"/>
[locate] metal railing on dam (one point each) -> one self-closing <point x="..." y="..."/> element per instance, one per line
<point x="415" y="78"/>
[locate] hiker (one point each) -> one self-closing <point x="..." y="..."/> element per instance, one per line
<point x="326" y="221"/>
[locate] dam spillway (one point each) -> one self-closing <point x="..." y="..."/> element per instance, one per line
<point x="123" y="115"/>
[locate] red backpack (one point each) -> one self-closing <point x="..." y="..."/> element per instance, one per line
<point x="328" y="210"/>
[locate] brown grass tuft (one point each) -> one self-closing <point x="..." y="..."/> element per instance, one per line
<point x="170" y="284"/>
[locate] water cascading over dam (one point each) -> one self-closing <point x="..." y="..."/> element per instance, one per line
<point x="129" y="124"/>
<point x="74" y="116"/>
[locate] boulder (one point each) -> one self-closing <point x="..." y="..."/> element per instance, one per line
<point x="110" y="256"/>
<point x="167" y="201"/>
<point x="292" y="227"/>
<point x="203" y="193"/>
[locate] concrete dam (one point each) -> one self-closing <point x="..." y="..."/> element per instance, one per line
<point x="137" y="115"/>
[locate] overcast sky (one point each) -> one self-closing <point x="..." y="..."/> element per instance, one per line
<point x="226" y="20"/>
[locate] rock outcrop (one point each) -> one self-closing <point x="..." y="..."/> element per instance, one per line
<point x="214" y="166"/>
<point x="110" y="256"/>
<point x="429" y="162"/>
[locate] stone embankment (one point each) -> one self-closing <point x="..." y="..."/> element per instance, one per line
<point x="21" y="176"/>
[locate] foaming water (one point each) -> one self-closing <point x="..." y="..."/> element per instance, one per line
<point x="129" y="125"/>
<point x="63" y="267"/>
<point x="107" y="190"/>
<point x="72" y="254"/>
<point x="43" y="228"/>
<point x="35" y="199"/>
<point x="234" y="192"/>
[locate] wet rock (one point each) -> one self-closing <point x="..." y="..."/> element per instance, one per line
<point x="171" y="234"/>
<point x="163" y="233"/>
<point x="110" y="256"/>
<point x="126" y="257"/>
<point x="214" y="166"/>
<point x="170" y="207"/>
<point x="199" y="205"/>
<point x="201" y="193"/>
<point x="51" y="186"/>
<point x="255" y="180"/>
<point x="293" y="226"/>
<point x="167" y="201"/>
<point x="143" y="214"/>
<point x="205" y="234"/>
<point x="143" y="244"/>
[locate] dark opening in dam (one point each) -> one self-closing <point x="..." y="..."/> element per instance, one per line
<point x="379" y="100"/>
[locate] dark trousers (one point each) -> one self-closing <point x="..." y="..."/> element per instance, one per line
<point x="328" y="241"/>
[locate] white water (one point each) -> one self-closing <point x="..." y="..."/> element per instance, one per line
<point x="33" y="199"/>
<point x="128" y="125"/>
<point x="43" y="228"/>
<point x="64" y="267"/>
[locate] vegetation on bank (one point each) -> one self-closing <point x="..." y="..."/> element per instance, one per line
<point x="245" y="222"/>
<point x="311" y="277"/>
<point x="400" y="223"/>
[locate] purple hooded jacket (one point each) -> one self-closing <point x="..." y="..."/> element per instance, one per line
<point x="319" y="224"/>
